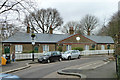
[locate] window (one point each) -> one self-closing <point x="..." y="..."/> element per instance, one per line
<point x="102" y="47"/>
<point x="18" y="48"/>
<point x="54" y="53"/>
<point x="68" y="47"/>
<point x="73" y="52"/>
<point x="86" y="47"/>
<point x="58" y="53"/>
<point x="45" y="48"/>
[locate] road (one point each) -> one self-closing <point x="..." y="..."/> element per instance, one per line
<point x="41" y="70"/>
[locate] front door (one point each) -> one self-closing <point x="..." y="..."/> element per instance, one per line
<point x="7" y="53"/>
<point x="7" y="49"/>
<point x="36" y="49"/>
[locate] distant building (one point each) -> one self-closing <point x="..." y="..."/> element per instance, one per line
<point x="21" y="42"/>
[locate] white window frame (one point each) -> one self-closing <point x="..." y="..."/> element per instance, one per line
<point x="18" y="48"/>
<point x="68" y="47"/>
<point x="86" y="47"/>
<point x="102" y="47"/>
<point x="45" y="48"/>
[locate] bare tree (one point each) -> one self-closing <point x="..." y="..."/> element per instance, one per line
<point x="103" y="30"/>
<point x="7" y="5"/>
<point x="89" y="22"/>
<point x="11" y="14"/>
<point x="76" y="26"/>
<point x="112" y="28"/>
<point x="7" y="30"/>
<point x="43" y="19"/>
<point x="15" y="5"/>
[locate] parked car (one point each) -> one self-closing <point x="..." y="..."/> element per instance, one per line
<point x="8" y="77"/>
<point x="70" y="54"/>
<point x="50" y="57"/>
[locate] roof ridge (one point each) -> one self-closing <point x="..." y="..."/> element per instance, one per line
<point x="52" y="34"/>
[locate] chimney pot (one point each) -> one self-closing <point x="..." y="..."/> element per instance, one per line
<point x="28" y="28"/>
<point x="51" y="30"/>
<point x="71" y="30"/>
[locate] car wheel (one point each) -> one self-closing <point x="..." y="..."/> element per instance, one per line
<point x="79" y="57"/>
<point x="48" y="61"/>
<point x="60" y="59"/>
<point x="69" y="58"/>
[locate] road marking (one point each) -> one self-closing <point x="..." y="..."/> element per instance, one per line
<point x="92" y="65"/>
<point x="100" y="65"/>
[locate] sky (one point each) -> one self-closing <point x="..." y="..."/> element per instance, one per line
<point x="75" y="10"/>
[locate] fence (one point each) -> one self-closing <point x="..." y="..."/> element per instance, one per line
<point x="86" y="52"/>
<point x="92" y="52"/>
<point x="25" y="56"/>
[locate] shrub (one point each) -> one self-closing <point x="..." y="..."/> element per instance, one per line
<point x="77" y="48"/>
<point x="92" y="49"/>
<point x="60" y="48"/>
<point x="30" y="51"/>
<point x="26" y="51"/>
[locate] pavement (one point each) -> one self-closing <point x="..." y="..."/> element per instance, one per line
<point x="14" y="66"/>
<point x="96" y="69"/>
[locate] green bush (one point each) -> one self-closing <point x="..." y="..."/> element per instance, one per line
<point x="92" y="49"/>
<point x="26" y="52"/>
<point x="60" y="48"/>
<point x="77" y="48"/>
<point x="30" y="51"/>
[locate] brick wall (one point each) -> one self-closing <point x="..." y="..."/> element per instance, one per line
<point x="28" y="47"/>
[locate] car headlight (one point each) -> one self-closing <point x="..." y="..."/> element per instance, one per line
<point x="44" y="58"/>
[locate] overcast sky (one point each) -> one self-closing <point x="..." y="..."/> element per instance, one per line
<point x="76" y="9"/>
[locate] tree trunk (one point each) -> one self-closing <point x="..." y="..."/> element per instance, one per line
<point x="88" y="32"/>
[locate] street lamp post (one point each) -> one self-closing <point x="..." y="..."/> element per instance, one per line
<point x="33" y="43"/>
<point x="108" y="47"/>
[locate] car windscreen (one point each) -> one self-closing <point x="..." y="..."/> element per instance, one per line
<point x="47" y="54"/>
<point x="67" y="52"/>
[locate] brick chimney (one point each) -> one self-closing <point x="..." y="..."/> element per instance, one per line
<point x="71" y="30"/>
<point x="28" y="28"/>
<point x="51" y="30"/>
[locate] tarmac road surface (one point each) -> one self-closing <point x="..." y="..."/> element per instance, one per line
<point x="39" y="70"/>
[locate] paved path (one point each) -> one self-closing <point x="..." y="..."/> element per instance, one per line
<point x="14" y="65"/>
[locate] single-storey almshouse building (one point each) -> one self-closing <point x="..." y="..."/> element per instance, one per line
<point x="22" y="43"/>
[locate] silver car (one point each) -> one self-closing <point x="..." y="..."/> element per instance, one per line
<point x="70" y="54"/>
